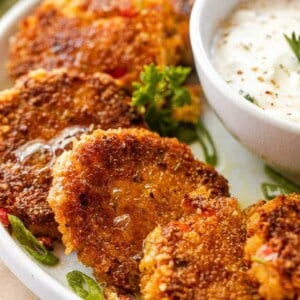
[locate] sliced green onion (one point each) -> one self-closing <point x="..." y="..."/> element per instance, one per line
<point x="271" y="191"/>
<point x="207" y="143"/>
<point x="283" y="186"/>
<point x="250" y="98"/>
<point x="282" y="181"/>
<point x="5" y="5"/>
<point x="186" y="133"/>
<point x="84" y="286"/>
<point x="30" y="243"/>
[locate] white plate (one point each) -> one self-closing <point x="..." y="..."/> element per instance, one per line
<point x="244" y="171"/>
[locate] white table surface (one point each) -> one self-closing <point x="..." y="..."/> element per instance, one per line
<point x="11" y="288"/>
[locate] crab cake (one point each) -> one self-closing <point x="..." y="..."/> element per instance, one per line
<point x="39" y="117"/>
<point x="107" y="8"/>
<point x="113" y="188"/>
<point x="176" y="14"/>
<point x="199" y="256"/>
<point x="273" y="247"/>
<point x="97" y="36"/>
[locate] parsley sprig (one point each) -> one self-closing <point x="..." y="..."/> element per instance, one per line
<point x="294" y="43"/>
<point x="158" y="93"/>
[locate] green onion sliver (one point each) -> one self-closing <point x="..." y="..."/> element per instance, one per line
<point x="207" y="143"/>
<point x="84" y="286"/>
<point x="271" y="191"/>
<point x="30" y="243"/>
<point x="283" y="186"/>
<point x="282" y="181"/>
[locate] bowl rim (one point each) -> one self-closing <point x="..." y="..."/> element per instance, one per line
<point x="203" y="59"/>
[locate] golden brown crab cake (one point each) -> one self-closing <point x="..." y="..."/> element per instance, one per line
<point x="43" y="103"/>
<point x="24" y="192"/>
<point x="114" y="187"/>
<point x="91" y="9"/>
<point x="39" y="117"/>
<point x="176" y="15"/>
<point x="199" y="256"/>
<point x="273" y="247"/>
<point x="90" y="36"/>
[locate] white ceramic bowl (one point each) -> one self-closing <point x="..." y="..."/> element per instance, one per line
<point x="275" y="140"/>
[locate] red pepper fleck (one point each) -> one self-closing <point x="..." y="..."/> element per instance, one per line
<point x="118" y="72"/>
<point x="128" y="12"/>
<point x="265" y="250"/>
<point x="267" y="253"/>
<point x="123" y="297"/>
<point x="208" y="213"/>
<point x="47" y="242"/>
<point x="4" y="217"/>
<point x="181" y="226"/>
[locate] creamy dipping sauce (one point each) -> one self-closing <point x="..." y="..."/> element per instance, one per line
<point x="252" y="55"/>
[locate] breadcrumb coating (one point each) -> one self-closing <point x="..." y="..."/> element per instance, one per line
<point x="114" y="187"/>
<point x="115" y="37"/>
<point x="273" y="247"/>
<point x="199" y="256"/>
<point x="39" y="117"/>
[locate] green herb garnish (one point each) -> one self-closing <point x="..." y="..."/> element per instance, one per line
<point x="284" y="182"/>
<point x="84" y="286"/>
<point x="186" y="133"/>
<point x="207" y="144"/>
<point x="283" y="186"/>
<point x="158" y="93"/>
<point x="5" y="5"/>
<point x="250" y="98"/>
<point x="271" y="191"/>
<point x="294" y="43"/>
<point x="30" y="243"/>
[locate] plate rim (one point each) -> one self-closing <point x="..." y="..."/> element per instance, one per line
<point x="29" y="272"/>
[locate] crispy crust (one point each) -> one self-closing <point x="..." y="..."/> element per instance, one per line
<point x="273" y="247"/>
<point x="43" y="103"/>
<point x="108" y="8"/>
<point x="95" y="36"/>
<point x="37" y="110"/>
<point x="92" y="9"/>
<point x="200" y="256"/>
<point x="114" y="187"/>
<point x="23" y="193"/>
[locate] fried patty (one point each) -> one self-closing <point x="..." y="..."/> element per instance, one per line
<point x="273" y="247"/>
<point x="39" y="117"/>
<point x="113" y="188"/>
<point x="108" y="8"/>
<point x="91" y="36"/>
<point x="199" y="256"/>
